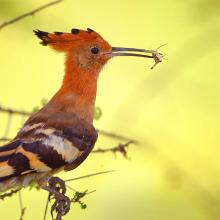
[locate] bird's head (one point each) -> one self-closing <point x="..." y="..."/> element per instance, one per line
<point x="88" y="48"/>
<point x="86" y="53"/>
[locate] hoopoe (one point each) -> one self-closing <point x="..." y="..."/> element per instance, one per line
<point x="61" y="135"/>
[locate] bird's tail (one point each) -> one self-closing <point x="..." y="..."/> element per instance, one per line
<point x="5" y="153"/>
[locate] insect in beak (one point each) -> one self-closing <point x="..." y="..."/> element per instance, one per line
<point x="123" y="51"/>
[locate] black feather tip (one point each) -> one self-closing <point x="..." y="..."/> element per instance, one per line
<point x="75" y="31"/>
<point x="43" y="36"/>
<point x="89" y="30"/>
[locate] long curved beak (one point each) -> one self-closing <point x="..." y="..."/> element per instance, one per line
<point x="124" y="51"/>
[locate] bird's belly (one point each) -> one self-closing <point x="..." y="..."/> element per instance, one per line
<point x="19" y="182"/>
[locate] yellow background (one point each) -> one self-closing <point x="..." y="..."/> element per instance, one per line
<point x="173" y="110"/>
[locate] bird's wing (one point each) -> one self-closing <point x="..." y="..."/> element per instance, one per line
<point x="5" y="153"/>
<point x="21" y="157"/>
<point x="39" y="148"/>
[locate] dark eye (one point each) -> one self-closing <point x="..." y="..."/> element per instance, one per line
<point x="95" y="50"/>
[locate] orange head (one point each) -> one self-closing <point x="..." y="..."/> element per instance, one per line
<point x="88" y="47"/>
<point x="86" y="53"/>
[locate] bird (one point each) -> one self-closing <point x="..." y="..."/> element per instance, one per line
<point x="61" y="135"/>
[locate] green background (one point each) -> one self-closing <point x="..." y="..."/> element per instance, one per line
<point x="173" y="110"/>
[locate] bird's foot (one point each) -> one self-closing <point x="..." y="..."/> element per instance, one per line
<point x="57" y="189"/>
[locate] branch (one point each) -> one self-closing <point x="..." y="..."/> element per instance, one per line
<point x="4" y="139"/>
<point x="116" y="136"/>
<point x="102" y="132"/>
<point x="22" y="213"/>
<point x="9" y="194"/>
<point x="6" y="23"/>
<point x="89" y="175"/>
<point x="121" y="148"/>
<point x="23" y="209"/>
<point x="12" y="111"/>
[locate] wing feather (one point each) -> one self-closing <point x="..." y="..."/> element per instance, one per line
<point x="47" y="143"/>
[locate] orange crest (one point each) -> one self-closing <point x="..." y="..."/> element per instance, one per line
<point x="65" y="42"/>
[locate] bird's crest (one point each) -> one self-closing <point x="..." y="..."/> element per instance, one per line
<point x="62" y="41"/>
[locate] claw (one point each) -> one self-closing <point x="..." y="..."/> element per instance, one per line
<point x="57" y="189"/>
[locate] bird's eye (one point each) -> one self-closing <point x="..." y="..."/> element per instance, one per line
<point x="95" y="50"/>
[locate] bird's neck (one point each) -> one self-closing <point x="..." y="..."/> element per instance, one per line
<point x="78" y="91"/>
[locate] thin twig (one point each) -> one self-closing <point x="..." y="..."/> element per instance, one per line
<point x="13" y="111"/>
<point x="121" y="148"/>
<point x="9" y="194"/>
<point x="89" y="175"/>
<point x="74" y="190"/>
<point x="22" y="213"/>
<point x="71" y="188"/>
<point x="6" y="23"/>
<point x="78" y="196"/>
<point x="116" y="136"/>
<point x="46" y="207"/>
<point x="8" y="125"/>
<point x="21" y="206"/>
<point x="5" y="139"/>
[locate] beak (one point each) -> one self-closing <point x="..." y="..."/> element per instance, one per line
<point x="123" y="51"/>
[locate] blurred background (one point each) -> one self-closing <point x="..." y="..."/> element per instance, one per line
<point x="172" y="110"/>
